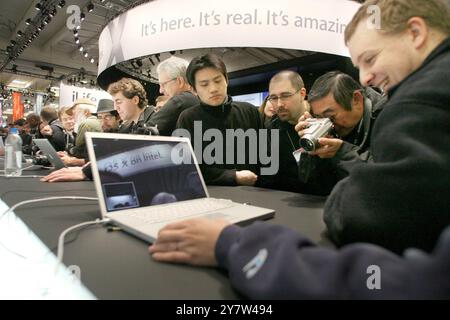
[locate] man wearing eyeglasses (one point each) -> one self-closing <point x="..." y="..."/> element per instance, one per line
<point x="173" y="84"/>
<point x="287" y="95"/>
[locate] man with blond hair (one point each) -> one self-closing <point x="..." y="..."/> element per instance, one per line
<point x="399" y="200"/>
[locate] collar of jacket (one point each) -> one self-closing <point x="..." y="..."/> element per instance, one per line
<point x="220" y="110"/>
<point x="440" y="49"/>
<point x="146" y="114"/>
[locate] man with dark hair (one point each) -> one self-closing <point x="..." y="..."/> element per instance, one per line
<point x="108" y="116"/>
<point x="52" y="129"/>
<point x="287" y="95"/>
<point x="173" y="84"/>
<point x="353" y="111"/>
<point x="399" y="200"/>
<point x="130" y="101"/>
<point x="207" y="75"/>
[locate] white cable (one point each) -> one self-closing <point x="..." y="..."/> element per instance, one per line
<point x="60" y="250"/>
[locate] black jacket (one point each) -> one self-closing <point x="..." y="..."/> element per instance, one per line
<point x="320" y="181"/>
<point x="402" y="198"/>
<point x="142" y="126"/>
<point x="230" y="115"/>
<point x="57" y="139"/>
<point x="166" y="118"/>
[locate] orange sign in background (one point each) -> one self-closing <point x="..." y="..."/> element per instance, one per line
<point x="18" y="107"/>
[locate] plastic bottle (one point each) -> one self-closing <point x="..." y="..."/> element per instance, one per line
<point x="13" y="154"/>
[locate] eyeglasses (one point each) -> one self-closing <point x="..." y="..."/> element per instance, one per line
<point x="283" y="97"/>
<point x="163" y="84"/>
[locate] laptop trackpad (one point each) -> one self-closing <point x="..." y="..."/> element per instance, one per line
<point x="217" y="215"/>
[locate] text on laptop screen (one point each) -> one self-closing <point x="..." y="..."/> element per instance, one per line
<point x="141" y="173"/>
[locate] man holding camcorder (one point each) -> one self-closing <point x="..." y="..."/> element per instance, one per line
<point x="337" y="99"/>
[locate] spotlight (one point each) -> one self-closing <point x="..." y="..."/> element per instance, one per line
<point x="90" y="7"/>
<point x="38" y="7"/>
<point x="92" y="60"/>
<point x="81" y="48"/>
<point x="53" y="12"/>
<point x="172" y="52"/>
<point x="19" y="33"/>
<point x="139" y="63"/>
<point x="61" y="4"/>
<point x="82" y="16"/>
<point x="77" y="40"/>
<point x="85" y="54"/>
<point x="28" y="21"/>
<point x="13" y="42"/>
<point x="75" y="33"/>
<point x="41" y="27"/>
<point x="78" y="27"/>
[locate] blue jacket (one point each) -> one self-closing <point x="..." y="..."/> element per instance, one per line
<point x="273" y="262"/>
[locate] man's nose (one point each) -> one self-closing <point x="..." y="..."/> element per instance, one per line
<point x="365" y="77"/>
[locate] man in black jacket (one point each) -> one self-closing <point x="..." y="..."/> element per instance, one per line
<point x="287" y="95"/>
<point x="53" y="129"/>
<point x="207" y="74"/>
<point x="399" y="200"/>
<point x="173" y="83"/>
<point x="353" y="111"/>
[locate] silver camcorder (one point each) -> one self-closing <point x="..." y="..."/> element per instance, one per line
<point x="317" y="128"/>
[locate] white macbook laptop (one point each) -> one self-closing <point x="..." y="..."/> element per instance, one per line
<point x="145" y="182"/>
<point x="47" y="149"/>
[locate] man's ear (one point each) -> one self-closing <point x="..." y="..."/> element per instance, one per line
<point x="418" y="32"/>
<point x="303" y="93"/>
<point x="135" y="100"/>
<point x="358" y="100"/>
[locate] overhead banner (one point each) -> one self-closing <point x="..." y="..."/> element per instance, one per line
<point x="18" y="107"/>
<point x="167" y="25"/>
<point x="68" y="94"/>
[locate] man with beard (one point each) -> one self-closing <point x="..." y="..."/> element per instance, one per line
<point x="85" y="121"/>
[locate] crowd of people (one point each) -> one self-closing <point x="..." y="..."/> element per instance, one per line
<point x="385" y="166"/>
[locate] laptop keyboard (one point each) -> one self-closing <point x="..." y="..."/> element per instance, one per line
<point x="181" y="210"/>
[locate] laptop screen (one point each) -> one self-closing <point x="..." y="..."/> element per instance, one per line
<point x="139" y="173"/>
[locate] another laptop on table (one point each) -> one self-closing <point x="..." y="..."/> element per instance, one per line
<point x="145" y="182"/>
<point x="47" y="149"/>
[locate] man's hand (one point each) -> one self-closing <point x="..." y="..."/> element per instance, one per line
<point x="190" y="241"/>
<point x="65" y="174"/>
<point x="246" y="178"/>
<point x="71" y="161"/>
<point x="302" y="123"/>
<point x="328" y="148"/>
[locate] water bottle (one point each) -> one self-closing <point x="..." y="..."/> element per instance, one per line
<point x="13" y="154"/>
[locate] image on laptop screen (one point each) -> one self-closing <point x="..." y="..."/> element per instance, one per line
<point x="141" y="173"/>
